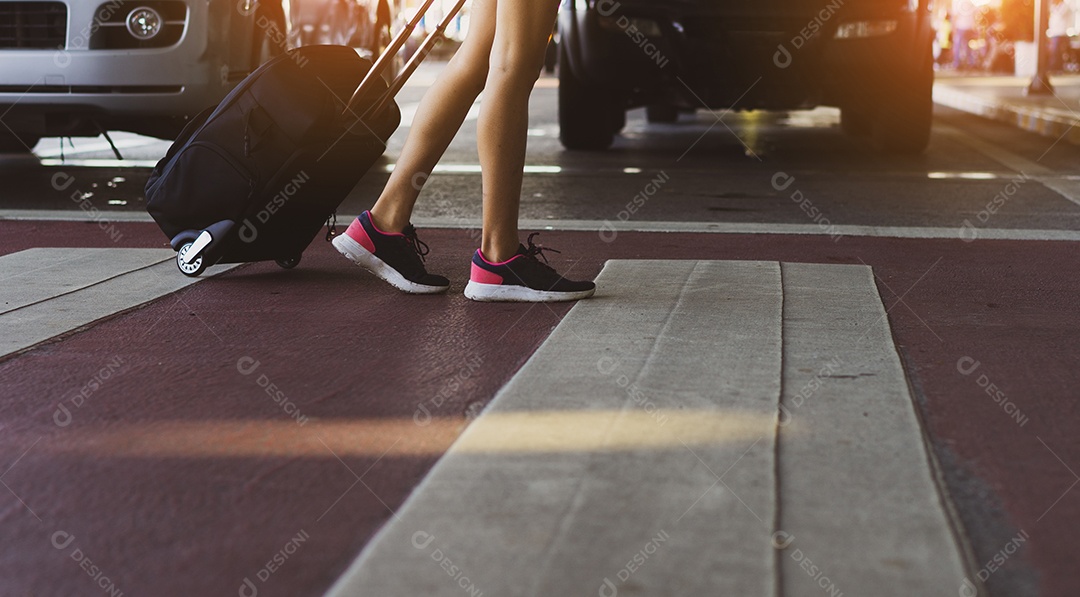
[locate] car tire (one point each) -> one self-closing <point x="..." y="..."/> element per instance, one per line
<point x="588" y="117"/>
<point x="661" y="114"/>
<point x="12" y="143"/>
<point x="855" y="122"/>
<point x="905" y="113"/>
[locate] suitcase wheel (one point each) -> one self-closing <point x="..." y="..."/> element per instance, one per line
<point x="193" y="268"/>
<point x="289" y="263"/>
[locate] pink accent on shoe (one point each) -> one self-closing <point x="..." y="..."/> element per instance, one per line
<point x="489" y="262"/>
<point x="356" y="232"/>
<point x="482" y="276"/>
<point x="372" y="220"/>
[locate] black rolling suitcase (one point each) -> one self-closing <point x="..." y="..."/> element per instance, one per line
<point x="257" y="176"/>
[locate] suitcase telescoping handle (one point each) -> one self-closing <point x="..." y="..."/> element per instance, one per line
<point x="387" y="57"/>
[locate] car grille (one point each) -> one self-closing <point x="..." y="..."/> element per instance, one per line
<point x="33" y="25"/>
<point x="91" y="89"/>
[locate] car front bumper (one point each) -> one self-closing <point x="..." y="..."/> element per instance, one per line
<point x="699" y="55"/>
<point x="71" y="91"/>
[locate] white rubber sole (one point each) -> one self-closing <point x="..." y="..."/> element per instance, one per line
<point x="520" y="294"/>
<point x="356" y="253"/>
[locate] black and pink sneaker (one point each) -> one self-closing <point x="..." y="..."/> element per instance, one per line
<point x="523" y="278"/>
<point x="397" y="258"/>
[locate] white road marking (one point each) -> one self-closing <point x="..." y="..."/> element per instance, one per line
<point x="1064" y="186"/>
<point x="607" y="227"/>
<point x="477" y="169"/>
<point x="53" y="152"/>
<point x="999" y="154"/>
<point x="99" y="163"/>
<point x="1067" y="188"/>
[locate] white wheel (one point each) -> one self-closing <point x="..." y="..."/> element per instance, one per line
<point x="192" y="269"/>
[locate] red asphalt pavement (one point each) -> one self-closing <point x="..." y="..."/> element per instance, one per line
<point x="233" y="481"/>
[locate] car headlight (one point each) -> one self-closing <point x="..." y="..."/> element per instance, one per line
<point x="144" y="23"/>
<point x="864" y="29"/>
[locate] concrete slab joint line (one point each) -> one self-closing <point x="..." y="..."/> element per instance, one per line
<point x="859" y="506"/>
<point x="47" y="292"/>
<point x="638" y="452"/>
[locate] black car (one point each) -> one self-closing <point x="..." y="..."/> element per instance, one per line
<point x="871" y="58"/>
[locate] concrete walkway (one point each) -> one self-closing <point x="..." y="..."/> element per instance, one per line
<point x="47" y="292"/>
<point x="701" y="427"/>
<point x="1004" y="99"/>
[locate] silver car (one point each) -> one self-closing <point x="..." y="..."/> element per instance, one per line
<point x="80" y="67"/>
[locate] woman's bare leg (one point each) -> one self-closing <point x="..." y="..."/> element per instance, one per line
<point x="438" y="118"/>
<point x="517" y="55"/>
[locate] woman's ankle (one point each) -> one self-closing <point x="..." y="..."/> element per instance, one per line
<point x="499" y="252"/>
<point x="388" y="222"/>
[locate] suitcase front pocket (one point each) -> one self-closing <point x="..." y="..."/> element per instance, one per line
<point x="204" y="185"/>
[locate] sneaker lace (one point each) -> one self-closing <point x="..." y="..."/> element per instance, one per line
<point x="533" y="251"/>
<point x="417" y="245"/>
